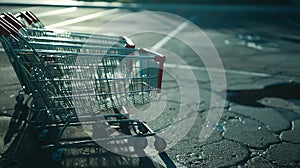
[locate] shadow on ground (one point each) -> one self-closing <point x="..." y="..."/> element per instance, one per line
<point x="24" y="150"/>
<point x="251" y="97"/>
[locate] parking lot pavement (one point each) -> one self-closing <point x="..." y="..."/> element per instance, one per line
<point x="259" y="50"/>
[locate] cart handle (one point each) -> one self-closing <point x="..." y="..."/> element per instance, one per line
<point x="7" y="23"/>
<point x="33" y="17"/>
<point x="161" y="60"/>
<point x="23" y="15"/>
<point x="128" y="41"/>
<point x="12" y="30"/>
<point x="12" y="20"/>
<point x="4" y="31"/>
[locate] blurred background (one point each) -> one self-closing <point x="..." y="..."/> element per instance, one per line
<point x="273" y="2"/>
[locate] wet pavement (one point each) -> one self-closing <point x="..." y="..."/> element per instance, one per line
<point x="260" y="123"/>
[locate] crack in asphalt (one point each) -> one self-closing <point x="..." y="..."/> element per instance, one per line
<point x="250" y="155"/>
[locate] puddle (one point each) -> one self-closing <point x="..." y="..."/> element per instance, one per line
<point x="289" y="104"/>
<point x="252" y="41"/>
<point x="281" y="95"/>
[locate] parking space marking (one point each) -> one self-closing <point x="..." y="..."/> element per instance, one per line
<point x="83" y="18"/>
<point x="56" y="12"/>
<point x="171" y="34"/>
<point x="82" y="28"/>
<point x="237" y="72"/>
<point x="228" y="71"/>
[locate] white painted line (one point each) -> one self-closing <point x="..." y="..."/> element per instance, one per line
<point x="83" y="18"/>
<point x="81" y="28"/>
<point x="56" y="12"/>
<point x="175" y="32"/>
<point x="228" y="71"/>
<point x="171" y="35"/>
<point x="2" y="50"/>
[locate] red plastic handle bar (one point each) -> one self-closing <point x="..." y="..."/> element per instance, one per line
<point x="32" y="16"/>
<point x="12" y="20"/>
<point x="9" y="27"/>
<point x="28" y="16"/>
<point x="4" y="31"/>
<point x="128" y="41"/>
<point x="8" y="23"/>
<point x="161" y="60"/>
<point x="22" y="15"/>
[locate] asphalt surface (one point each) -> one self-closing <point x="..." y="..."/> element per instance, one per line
<point x="259" y="48"/>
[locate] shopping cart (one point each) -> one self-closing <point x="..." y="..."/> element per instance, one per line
<point x="63" y="44"/>
<point x="42" y="34"/>
<point x="86" y="88"/>
<point x="60" y="47"/>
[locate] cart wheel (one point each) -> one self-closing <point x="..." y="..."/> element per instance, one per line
<point x="20" y="98"/>
<point x="141" y="143"/>
<point x="43" y="135"/>
<point x="160" y="144"/>
<point x="58" y="155"/>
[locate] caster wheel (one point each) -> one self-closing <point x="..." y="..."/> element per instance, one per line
<point x="141" y="143"/>
<point x="58" y="155"/>
<point x="42" y="136"/>
<point x="20" y="98"/>
<point x="160" y="144"/>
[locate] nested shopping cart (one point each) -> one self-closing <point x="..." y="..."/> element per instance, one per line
<point x="33" y="24"/>
<point x="60" y="46"/>
<point x="41" y="34"/>
<point x="100" y="45"/>
<point x="85" y="88"/>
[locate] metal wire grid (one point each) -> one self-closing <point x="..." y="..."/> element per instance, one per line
<point x="60" y="77"/>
